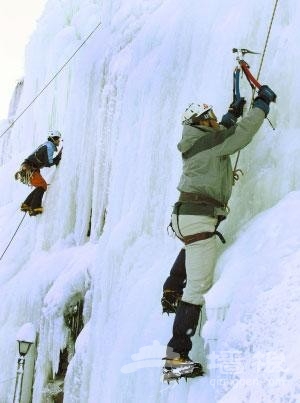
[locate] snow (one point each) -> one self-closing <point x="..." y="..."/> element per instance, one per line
<point x="118" y="105"/>
<point x="27" y="333"/>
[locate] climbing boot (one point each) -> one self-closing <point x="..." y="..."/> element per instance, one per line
<point x="24" y="207"/>
<point x="36" y="211"/>
<point x="181" y="367"/>
<point x="170" y="301"/>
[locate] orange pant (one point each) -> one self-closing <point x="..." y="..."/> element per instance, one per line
<point x="38" y="181"/>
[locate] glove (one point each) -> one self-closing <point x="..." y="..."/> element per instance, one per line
<point x="235" y="110"/>
<point x="266" y="94"/>
<point x="264" y="97"/>
<point x="17" y="175"/>
<point x="56" y="160"/>
<point x="228" y="120"/>
<point x="237" y="107"/>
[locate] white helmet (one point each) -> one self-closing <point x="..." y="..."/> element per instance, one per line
<point x="194" y="110"/>
<point x="54" y="133"/>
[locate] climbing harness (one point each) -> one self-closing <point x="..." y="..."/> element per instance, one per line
<point x="52" y="79"/>
<point x="254" y="83"/>
<point x="13" y="236"/>
<point x="200" y="236"/>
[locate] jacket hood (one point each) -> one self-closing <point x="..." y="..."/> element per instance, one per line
<point x="190" y="135"/>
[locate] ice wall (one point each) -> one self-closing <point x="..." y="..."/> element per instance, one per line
<point x="118" y="104"/>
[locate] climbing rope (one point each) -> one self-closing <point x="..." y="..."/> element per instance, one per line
<point x="235" y="169"/>
<point x="12" y="237"/>
<point x="267" y="40"/>
<point x="34" y="99"/>
<point x="52" y="79"/>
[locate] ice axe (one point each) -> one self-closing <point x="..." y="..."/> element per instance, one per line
<point x="245" y="66"/>
<point x="243" y="51"/>
<point x="246" y="69"/>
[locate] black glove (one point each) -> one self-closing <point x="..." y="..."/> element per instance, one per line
<point x="237" y="107"/>
<point x="235" y="110"/>
<point x="228" y="120"/>
<point x="266" y="94"/>
<point x="264" y="97"/>
<point x="56" y="160"/>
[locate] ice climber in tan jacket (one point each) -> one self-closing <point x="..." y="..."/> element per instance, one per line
<point x="205" y="188"/>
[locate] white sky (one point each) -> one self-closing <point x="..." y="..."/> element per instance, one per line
<point x="17" y="22"/>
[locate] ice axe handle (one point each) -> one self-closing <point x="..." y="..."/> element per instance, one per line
<point x="251" y="79"/>
<point x="236" y="85"/>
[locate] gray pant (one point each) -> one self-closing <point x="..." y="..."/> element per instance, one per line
<point x="200" y="256"/>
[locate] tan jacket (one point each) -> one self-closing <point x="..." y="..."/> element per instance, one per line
<point x="207" y="169"/>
